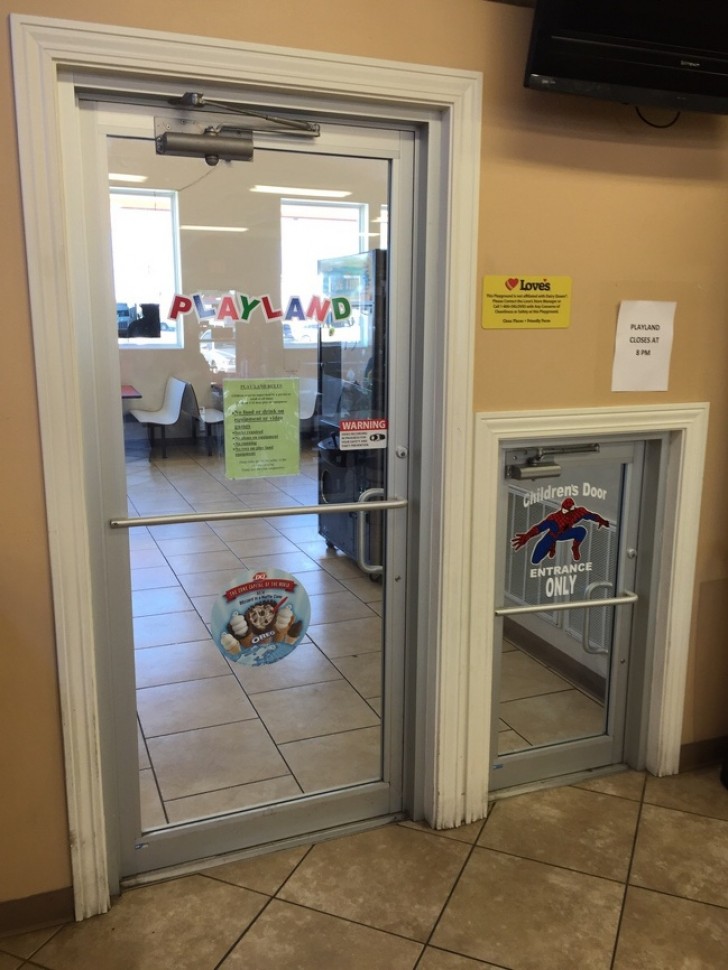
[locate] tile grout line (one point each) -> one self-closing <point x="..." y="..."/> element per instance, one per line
<point x="618" y="932"/>
<point x="456" y="881"/>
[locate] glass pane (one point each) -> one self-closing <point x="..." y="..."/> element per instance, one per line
<point x="259" y="642"/>
<point x="144" y="245"/>
<point x="562" y="547"/>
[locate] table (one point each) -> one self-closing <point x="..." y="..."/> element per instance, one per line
<point x="129" y="392"/>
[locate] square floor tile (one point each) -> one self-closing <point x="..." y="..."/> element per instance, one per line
<point x="244" y="529"/>
<point x="24" y="945"/>
<point x="335" y="562"/>
<point x="316" y="581"/>
<point x="624" y="784"/>
<point x="145" y="558"/>
<point x="509" y="741"/>
<point x="364" y="673"/>
<point x="213" y="583"/>
<point x="141" y="538"/>
<point x="698" y="791"/>
<point x="204" y="562"/>
<point x="303" y="665"/>
<point x="177" y="662"/>
<point x="336" y="760"/>
<point x="215" y="757"/>
<point x="148" y="602"/>
<point x="661" y="932"/>
<point x="366" y="590"/>
<point x="153" y="578"/>
<point x="291" y="562"/>
<point x="530" y="916"/>
<point x="554" y="717"/>
<point x="262" y="873"/>
<point x="682" y="854"/>
<point x="307" y="712"/>
<point x="156" y="630"/>
<point x="287" y="936"/>
<point x="233" y="799"/>
<point x="391" y="878"/>
<point x="204" y="606"/>
<point x="461" y="833"/>
<point x="433" y="959"/>
<point x="185" y="924"/>
<point x="192" y="704"/>
<point x="521" y="676"/>
<point x="269" y="546"/>
<point x="304" y="533"/>
<point x="567" y="827"/>
<point x="191" y="545"/>
<point x="347" y="638"/>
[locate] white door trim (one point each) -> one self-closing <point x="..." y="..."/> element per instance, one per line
<point x="687" y="427"/>
<point x="46" y="53"/>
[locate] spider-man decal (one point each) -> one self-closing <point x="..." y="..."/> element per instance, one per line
<point x="559" y="527"/>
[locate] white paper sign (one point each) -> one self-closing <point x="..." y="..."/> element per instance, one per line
<point x="643" y="345"/>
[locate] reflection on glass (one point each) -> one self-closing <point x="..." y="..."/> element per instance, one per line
<point x="144" y="240"/>
<point x="218" y="736"/>
<point x="562" y="547"/>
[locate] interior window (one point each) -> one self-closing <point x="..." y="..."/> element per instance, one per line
<point x="145" y="247"/>
<point x="311" y="231"/>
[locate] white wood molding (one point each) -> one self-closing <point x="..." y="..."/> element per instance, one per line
<point x="687" y="425"/>
<point x="43" y="48"/>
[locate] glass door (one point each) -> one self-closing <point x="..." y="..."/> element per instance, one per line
<point x="563" y="630"/>
<point x="262" y="328"/>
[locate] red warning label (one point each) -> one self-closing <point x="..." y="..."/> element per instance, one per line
<point x="358" y="434"/>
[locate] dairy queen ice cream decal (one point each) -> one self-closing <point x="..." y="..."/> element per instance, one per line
<point x="261" y="617"/>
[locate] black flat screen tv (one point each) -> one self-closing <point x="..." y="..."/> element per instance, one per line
<point x="671" y="53"/>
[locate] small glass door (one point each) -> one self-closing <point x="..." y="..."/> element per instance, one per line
<point x="259" y="334"/>
<point x="569" y="515"/>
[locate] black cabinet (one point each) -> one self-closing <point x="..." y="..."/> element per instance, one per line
<point x="343" y="476"/>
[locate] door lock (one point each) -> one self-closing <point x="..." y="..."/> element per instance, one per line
<point x="401" y="451"/>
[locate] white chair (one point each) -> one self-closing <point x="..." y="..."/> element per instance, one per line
<point x="169" y="413"/>
<point x="210" y="417"/>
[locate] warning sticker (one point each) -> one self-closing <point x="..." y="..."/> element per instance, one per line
<point x="362" y="433"/>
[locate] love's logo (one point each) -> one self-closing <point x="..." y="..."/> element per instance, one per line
<point x="511" y="283"/>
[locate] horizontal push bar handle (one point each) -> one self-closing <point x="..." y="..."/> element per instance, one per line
<point x="626" y="597"/>
<point x="144" y="520"/>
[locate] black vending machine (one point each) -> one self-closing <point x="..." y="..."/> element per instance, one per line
<point x="352" y="386"/>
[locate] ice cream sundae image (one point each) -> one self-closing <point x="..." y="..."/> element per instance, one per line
<point x="260" y="616"/>
<point x="264" y="622"/>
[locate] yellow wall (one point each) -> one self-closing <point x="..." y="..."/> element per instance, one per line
<point x="569" y="187"/>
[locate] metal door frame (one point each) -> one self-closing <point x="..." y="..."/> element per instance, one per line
<point x="49" y="56"/>
<point x="291" y="819"/>
<point x="676" y="436"/>
<point x="583" y="753"/>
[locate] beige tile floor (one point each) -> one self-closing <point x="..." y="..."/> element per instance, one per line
<point x="310" y="723"/>
<point x="538" y="706"/>
<point x="626" y="872"/>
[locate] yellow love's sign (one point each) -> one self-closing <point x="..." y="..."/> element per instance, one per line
<point x="526" y="302"/>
